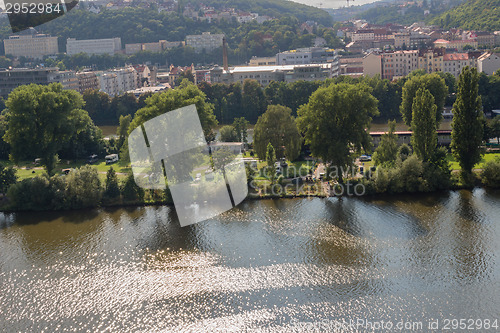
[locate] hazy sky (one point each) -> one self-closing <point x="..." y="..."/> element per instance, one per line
<point x="333" y="3"/>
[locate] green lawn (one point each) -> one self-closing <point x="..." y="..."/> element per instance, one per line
<point x="26" y="169"/>
<point x="486" y="158"/>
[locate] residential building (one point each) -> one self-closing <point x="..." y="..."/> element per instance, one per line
<point x="68" y="79"/>
<point x="152" y="47"/>
<point x="431" y="60"/>
<point x="372" y="64"/>
<point x="93" y="46"/>
<point x="453" y="63"/>
<point x="398" y="64"/>
<point x="455" y="44"/>
<point x="206" y="41"/>
<point x="310" y="55"/>
<point x="401" y="40"/>
<point x="148" y="90"/>
<point x="33" y="46"/>
<point x="488" y="63"/>
<point x="87" y="80"/>
<point x="351" y="66"/>
<point x="118" y="81"/>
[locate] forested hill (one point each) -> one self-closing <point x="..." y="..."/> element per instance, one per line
<point x="473" y="14"/>
<point x="274" y="8"/>
<point x="139" y="24"/>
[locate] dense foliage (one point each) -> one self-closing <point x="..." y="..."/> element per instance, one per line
<point x="473" y="14"/>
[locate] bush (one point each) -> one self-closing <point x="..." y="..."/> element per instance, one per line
<point x="491" y="174"/>
<point x="112" y="190"/>
<point x="31" y="194"/>
<point x="130" y="190"/>
<point x="83" y="188"/>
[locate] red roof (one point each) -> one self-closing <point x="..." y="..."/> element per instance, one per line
<point x="456" y="56"/>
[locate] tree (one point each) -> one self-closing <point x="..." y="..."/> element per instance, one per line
<point x="387" y="151"/>
<point x="432" y="82"/>
<point x="270" y="160"/>
<point x="111" y="190"/>
<point x="335" y="120"/>
<point x="7" y="178"/>
<point x="228" y="134"/>
<point x="169" y="100"/>
<point x="277" y="127"/>
<point x="423" y="124"/>
<point x="98" y="105"/>
<point x="83" y="188"/>
<point x="130" y="190"/>
<point x="240" y="126"/>
<point x="41" y="120"/>
<point x="122" y="130"/>
<point x="494" y="128"/>
<point x="253" y="100"/>
<point x="467" y="130"/>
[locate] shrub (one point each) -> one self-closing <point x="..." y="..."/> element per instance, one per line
<point x="83" y="188"/>
<point x="491" y="174"/>
<point x="112" y="190"/>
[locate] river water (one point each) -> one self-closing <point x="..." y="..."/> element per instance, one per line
<point x="270" y="265"/>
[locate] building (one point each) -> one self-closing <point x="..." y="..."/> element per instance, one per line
<point x="87" y="80"/>
<point x="175" y="73"/>
<point x="310" y="55"/>
<point x="266" y="74"/>
<point x="401" y="40"/>
<point x="148" y="90"/>
<point x="431" y="60"/>
<point x="444" y="137"/>
<point x="262" y="61"/>
<point x="93" y="46"/>
<point x="118" y="81"/>
<point x="351" y="66"/>
<point x="372" y="64"/>
<point x="33" y="46"/>
<point x="488" y="63"/>
<point x="206" y="41"/>
<point x="398" y="64"/>
<point x="453" y="63"/>
<point x="455" y="44"/>
<point x="151" y="47"/>
<point x="13" y="78"/>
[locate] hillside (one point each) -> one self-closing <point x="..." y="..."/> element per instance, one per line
<point x="473" y="14"/>
<point x="408" y="14"/>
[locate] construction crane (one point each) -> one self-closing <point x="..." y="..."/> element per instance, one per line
<point x="348" y="2"/>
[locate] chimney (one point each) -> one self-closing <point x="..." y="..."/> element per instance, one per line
<point x="224" y="54"/>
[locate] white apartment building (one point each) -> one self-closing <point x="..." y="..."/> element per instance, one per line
<point x="206" y="41"/>
<point x="453" y="63"/>
<point x="33" y="46"/>
<point x="488" y="63"/>
<point x="118" y="81"/>
<point x="363" y="35"/>
<point x="93" y="46"/>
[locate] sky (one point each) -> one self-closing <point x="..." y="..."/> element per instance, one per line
<point x="333" y="3"/>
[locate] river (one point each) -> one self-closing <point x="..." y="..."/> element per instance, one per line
<point x="273" y="265"/>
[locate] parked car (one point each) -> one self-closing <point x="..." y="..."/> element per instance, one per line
<point x="365" y="158"/>
<point x="111" y="158"/>
<point x="92" y="159"/>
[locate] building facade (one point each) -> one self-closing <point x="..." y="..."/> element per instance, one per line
<point x="34" y="46"/>
<point x="311" y="55"/>
<point x="13" y="78"/>
<point x="488" y="63"/>
<point x="93" y="46"/>
<point x="87" y="80"/>
<point x="206" y="41"/>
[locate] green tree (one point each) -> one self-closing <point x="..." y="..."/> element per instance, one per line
<point x="122" y="130"/>
<point x="467" y="130"/>
<point x="494" y="128"/>
<point x="270" y="160"/>
<point x="387" y="151"/>
<point x="335" y="121"/>
<point x="491" y="174"/>
<point x="111" y="190"/>
<point x="7" y="178"/>
<point x="277" y="127"/>
<point x="240" y="126"/>
<point x="130" y="190"/>
<point x="423" y="124"/>
<point x="253" y="100"/>
<point x="434" y="84"/>
<point x="41" y="120"/>
<point x="188" y="94"/>
<point x="228" y="134"/>
<point x="83" y="188"/>
<point x="98" y="105"/>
